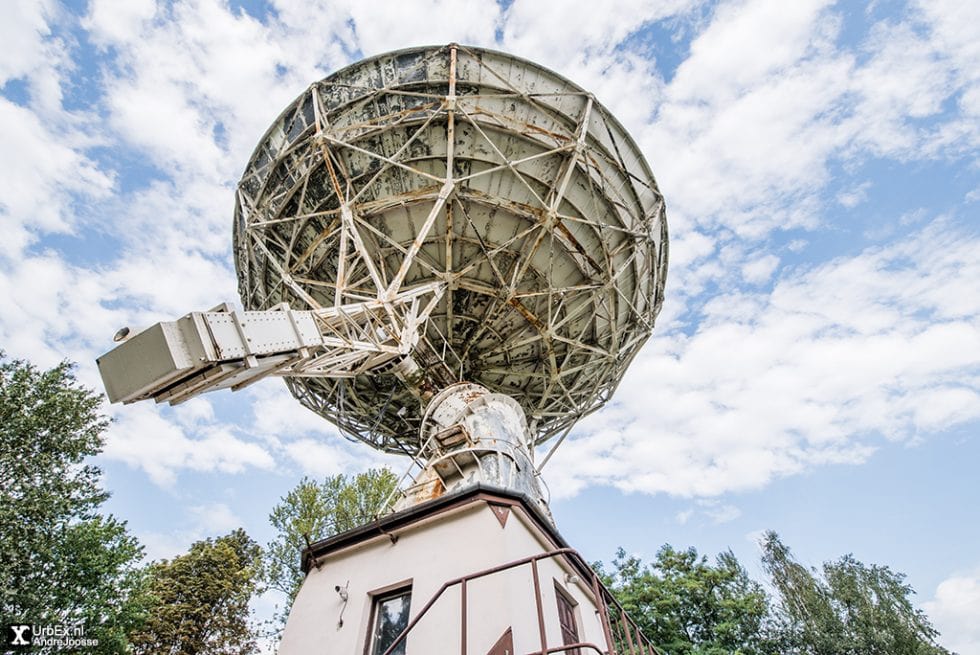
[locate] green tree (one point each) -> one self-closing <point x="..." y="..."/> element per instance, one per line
<point x="688" y="606"/>
<point x="61" y="561"/>
<point x="317" y="510"/>
<point x="201" y="600"/>
<point x="848" y="608"/>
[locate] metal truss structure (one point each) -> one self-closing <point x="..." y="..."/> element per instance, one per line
<point x="501" y="183"/>
<point x="174" y="361"/>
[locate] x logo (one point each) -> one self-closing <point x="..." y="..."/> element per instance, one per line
<point x="19" y="632"/>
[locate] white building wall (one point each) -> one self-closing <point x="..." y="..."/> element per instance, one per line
<point x="440" y="548"/>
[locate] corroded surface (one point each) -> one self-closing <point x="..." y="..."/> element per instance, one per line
<point x="498" y="178"/>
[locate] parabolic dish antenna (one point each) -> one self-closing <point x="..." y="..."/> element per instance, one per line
<point x="503" y="212"/>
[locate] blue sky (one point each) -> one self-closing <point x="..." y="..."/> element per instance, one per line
<point x="816" y="368"/>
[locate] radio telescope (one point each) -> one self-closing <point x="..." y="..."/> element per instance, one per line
<point x="454" y="254"/>
<point x="422" y="218"/>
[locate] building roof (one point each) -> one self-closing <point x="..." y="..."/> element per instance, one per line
<point x="391" y="524"/>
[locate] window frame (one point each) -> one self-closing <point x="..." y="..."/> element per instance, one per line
<point x="378" y="597"/>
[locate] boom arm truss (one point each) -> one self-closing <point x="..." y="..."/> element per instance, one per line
<point x="174" y="361"/>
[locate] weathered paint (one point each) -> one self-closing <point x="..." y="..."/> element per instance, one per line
<point x="472" y="436"/>
<point x="478" y="170"/>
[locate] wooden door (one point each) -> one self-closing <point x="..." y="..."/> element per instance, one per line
<point x="504" y="645"/>
<point x="566" y="620"/>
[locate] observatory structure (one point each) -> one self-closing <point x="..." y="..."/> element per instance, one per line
<point x="452" y="254"/>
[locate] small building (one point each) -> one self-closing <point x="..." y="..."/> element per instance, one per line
<point x="481" y="571"/>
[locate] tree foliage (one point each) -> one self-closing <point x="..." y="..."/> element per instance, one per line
<point x="317" y="510"/>
<point x="61" y="561"/>
<point x="200" y="600"/>
<point x="848" y="608"/>
<point x="688" y="606"/>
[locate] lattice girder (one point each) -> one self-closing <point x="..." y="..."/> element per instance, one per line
<point x="510" y="185"/>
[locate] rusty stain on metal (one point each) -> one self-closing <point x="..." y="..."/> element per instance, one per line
<point x="577" y="246"/>
<point x="438" y="489"/>
<point x="527" y="314"/>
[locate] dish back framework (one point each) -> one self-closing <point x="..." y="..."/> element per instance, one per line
<point x="496" y="182"/>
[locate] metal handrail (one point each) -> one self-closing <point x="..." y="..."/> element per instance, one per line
<point x="634" y="638"/>
<point x="568" y="647"/>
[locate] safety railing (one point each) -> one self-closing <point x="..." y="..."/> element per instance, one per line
<point x="622" y="635"/>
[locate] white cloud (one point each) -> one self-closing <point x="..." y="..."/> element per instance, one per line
<point x="380" y="28"/>
<point x="902" y="81"/>
<point x="760" y="269"/>
<point x="115" y="22"/>
<point x="745" y="44"/>
<point x="555" y="36"/>
<point x="278" y="435"/>
<point x="720" y="512"/>
<point x="585" y="46"/>
<point x="854" y="196"/>
<point x="202" y="71"/>
<point x="41" y="171"/>
<point x="952" y="28"/>
<point x="33" y="53"/>
<point x="278" y="417"/>
<point x="306" y="440"/>
<point x="708" y="508"/>
<point x="141" y="438"/>
<point x="204" y="521"/>
<point x="23" y="31"/>
<point x="218" y="518"/>
<point x="196" y="411"/>
<point x="690" y="246"/>
<point x="745" y="118"/>
<point x="319" y="458"/>
<point x="768" y="99"/>
<point x="954" y="610"/>
<point x="883" y="344"/>
<point x="52" y="310"/>
<point x="159" y="545"/>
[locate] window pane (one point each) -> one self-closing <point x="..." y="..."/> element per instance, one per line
<point x="392" y="618"/>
